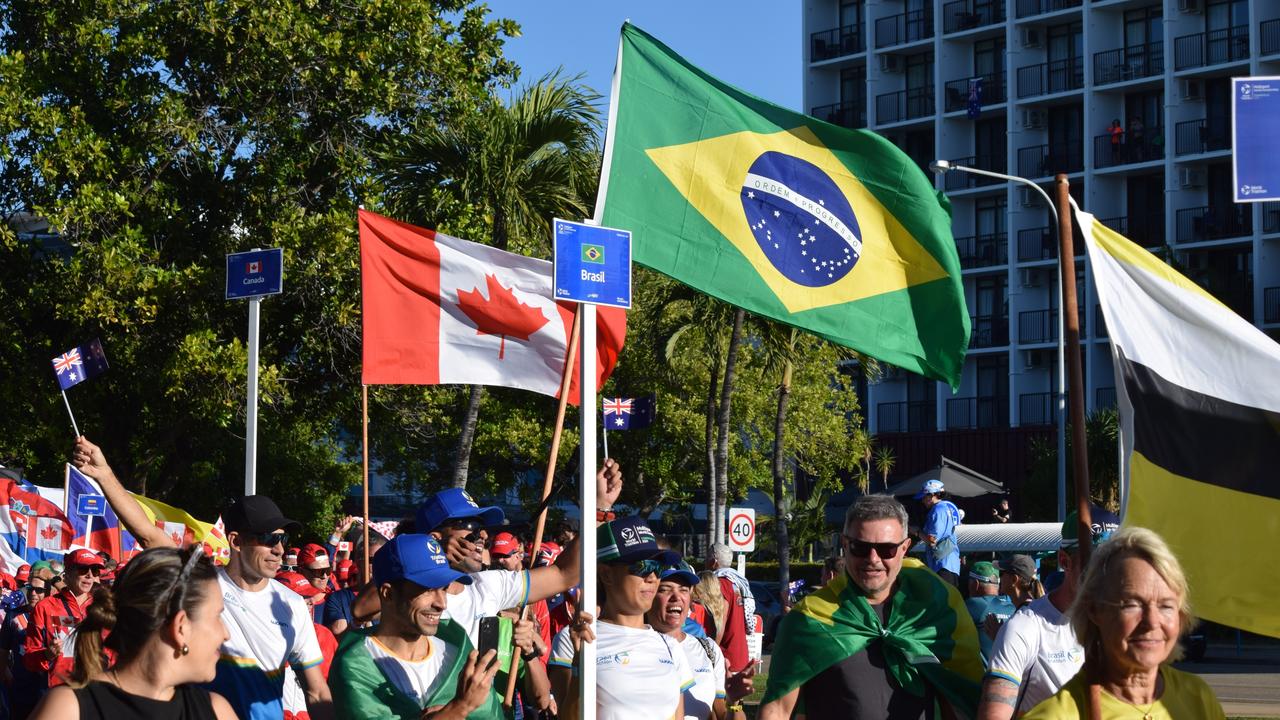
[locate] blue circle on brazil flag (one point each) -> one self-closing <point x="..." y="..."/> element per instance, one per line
<point x="801" y="220"/>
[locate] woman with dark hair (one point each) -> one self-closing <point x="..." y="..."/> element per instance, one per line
<point x="162" y="620"/>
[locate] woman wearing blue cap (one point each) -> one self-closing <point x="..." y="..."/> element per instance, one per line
<point x="640" y="674"/>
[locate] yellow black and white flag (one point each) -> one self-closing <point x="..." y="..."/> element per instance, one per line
<point x="1199" y="428"/>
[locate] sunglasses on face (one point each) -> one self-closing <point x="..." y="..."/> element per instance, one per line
<point x="862" y="549"/>
<point x="270" y="539"/>
<point x="91" y="571"/>
<point x="644" y="568"/>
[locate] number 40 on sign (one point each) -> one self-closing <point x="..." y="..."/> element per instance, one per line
<point x="742" y="530"/>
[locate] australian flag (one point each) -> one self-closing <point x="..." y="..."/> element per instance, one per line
<point x="80" y="363"/>
<point x="629" y="413"/>
<point x="974" y="108"/>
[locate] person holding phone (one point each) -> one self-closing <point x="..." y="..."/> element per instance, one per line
<point x="414" y="663"/>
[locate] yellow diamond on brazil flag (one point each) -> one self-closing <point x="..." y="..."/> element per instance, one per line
<point x="832" y="230"/>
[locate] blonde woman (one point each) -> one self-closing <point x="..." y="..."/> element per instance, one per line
<point x="707" y="592"/>
<point x="1129" y="615"/>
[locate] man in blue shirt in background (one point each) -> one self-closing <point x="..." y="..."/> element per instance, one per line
<point x="941" y="554"/>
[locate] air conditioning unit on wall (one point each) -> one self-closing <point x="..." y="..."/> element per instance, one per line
<point x="1031" y="277"/>
<point x="1027" y="197"/>
<point x="1033" y="119"/>
<point x="1191" y="6"/>
<point x="1032" y="37"/>
<point x="1191" y="177"/>
<point x="891" y="63"/>
<point x="1191" y="89"/>
<point x="1034" y="359"/>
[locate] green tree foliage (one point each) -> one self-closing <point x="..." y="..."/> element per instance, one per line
<point x="155" y="138"/>
<point x="1102" y="438"/>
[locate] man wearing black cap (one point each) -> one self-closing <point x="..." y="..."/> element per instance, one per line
<point x="268" y="624"/>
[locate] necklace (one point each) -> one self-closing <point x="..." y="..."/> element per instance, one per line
<point x="1146" y="714"/>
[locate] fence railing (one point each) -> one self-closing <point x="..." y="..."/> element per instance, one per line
<point x="1269" y="37"/>
<point x="1104" y="397"/>
<point x="904" y="105"/>
<point x="956" y="92"/>
<point x="836" y="42"/>
<point x="1146" y="230"/>
<point x="977" y="412"/>
<point x="1270" y="218"/>
<point x="978" y="251"/>
<point x="1271" y="305"/>
<point x="1027" y="8"/>
<point x="1046" y="160"/>
<point x="1198" y="136"/>
<point x="1037" y="244"/>
<point x="988" y="331"/>
<point x="1211" y="48"/>
<point x="1051" y="77"/>
<point x="1214" y="223"/>
<point x="1128" y="63"/>
<point x="904" y="28"/>
<point x="969" y="14"/>
<point x="1037" y="326"/>
<point x="848" y="114"/>
<point x="905" y="417"/>
<point x="1035" y="409"/>
<point x="1130" y="148"/>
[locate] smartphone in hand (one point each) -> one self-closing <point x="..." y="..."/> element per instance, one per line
<point x="488" y="635"/>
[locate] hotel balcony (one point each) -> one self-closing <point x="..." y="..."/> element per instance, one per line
<point x="1051" y="77"/>
<point x="979" y="251"/>
<point x="1132" y="149"/>
<point x="1194" y="137"/>
<point x="977" y="412"/>
<point x="969" y="14"/>
<point x="906" y="104"/>
<point x="905" y="417"/>
<point x="988" y="331"/>
<point x="1128" y="63"/>
<point x="836" y="42"/>
<point x="1028" y="8"/>
<point x="1048" y="160"/>
<point x="957" y="91"/>
<point x="1214" y="223"/>
<point x="848" y="114"/>
<point x="1211" y="48"/>
<point x="904" y="28"/>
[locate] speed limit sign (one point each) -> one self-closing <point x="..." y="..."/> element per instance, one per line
<point x="742" y="530"/>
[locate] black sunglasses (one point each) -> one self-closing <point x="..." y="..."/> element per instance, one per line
<point x="860" y="548"/>
<point x="644" y="568"/>
<point x="271" y="539"/>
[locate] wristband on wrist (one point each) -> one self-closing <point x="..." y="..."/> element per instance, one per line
<point x="605" y="516"/>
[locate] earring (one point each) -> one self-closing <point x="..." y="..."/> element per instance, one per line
<point x="185" y="649"/>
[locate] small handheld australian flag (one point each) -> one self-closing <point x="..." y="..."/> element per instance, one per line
<point x="629" y="413"/>
<point x="79" y="364"/>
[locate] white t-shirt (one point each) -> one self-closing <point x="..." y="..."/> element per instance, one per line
<point x="267" y="630"/>
<point x="418" y="680"/>
<point x="708" y="677"/>
<point x="640" y="673"/>
<point x="490" y="592"/>
<point x="1037" y="650"/>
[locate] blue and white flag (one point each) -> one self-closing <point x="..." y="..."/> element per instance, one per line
<point x="79" y="364"/>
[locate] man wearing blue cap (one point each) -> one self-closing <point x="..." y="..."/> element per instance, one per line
<point x="942" y="553"/>
<point x="415" y="660"/>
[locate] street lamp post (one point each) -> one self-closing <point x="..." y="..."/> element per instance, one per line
<point x="941" y="167"/>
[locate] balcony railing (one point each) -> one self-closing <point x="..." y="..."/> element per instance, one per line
<point x="1037" y="244"/>
<point x="988" y="331"/>
<point x="1027" y="8"/>
<point x="1104" y="397"/>
<point x="848" y="114"/>
<point x="904" y="28"/>
<point x="1035" y="409"/>
<point x="904" y="105"/>
<point x="1271" y="305"/>
<point x="905" y="417"/>
<point x="1214" y="223"/>
<point x="1046" y="160"/>
<point x="963" y="180"/>
<point x="1132" y="148"/>
<point x="1146" y="230"/>
<point x="1099" y="322"/>
<point x="1198" y="136"/>
<point x="957" y="92"/>
<point x="836" y="42"/>
<point x="1051" y="77"/>
<point x="977" y="251"/>
<point x="1129" y="63"/>
<point x="1269" y="37"/>
<point x="969" y="14"/>
<point x="1037" y="326"/>
<point x="977" y="412"/>
<point x="1270" y="218"/>
<point x="1211" y="48"/>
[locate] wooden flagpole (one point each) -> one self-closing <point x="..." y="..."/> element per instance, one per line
<point x="565" y="379"/>
<point x="365" y="575"/>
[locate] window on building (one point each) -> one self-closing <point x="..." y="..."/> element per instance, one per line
<point x="989" y="216"/>
<point x="1226" y="14"/>
<point x="852" y="13"/>
<point x="1066" y="42"/>
<point x="989" y="137"/>
<point x="1144" y="208"/>
<point x="1066" y="129"/>
<point x="988" y="56"/>
<point x="1142" y="27"/>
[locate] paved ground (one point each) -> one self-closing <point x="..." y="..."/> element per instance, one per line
<point x="1247" y="684"/>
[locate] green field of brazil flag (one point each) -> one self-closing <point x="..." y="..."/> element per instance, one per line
<point x="832" y="230"/>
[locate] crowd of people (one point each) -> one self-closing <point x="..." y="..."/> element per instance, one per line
<point x="459" y="607"/>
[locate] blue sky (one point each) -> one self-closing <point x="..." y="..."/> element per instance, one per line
<point x="754" y="44"/>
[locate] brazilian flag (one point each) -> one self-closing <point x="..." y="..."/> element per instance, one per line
<point x="927" y="637"/>
<point x="834" y="231"/>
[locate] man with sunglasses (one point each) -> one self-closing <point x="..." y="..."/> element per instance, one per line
<point x="886" y="638"/>
<point x="50" y="644"/>
<point x="506" y="552"/>
<point x="23" y="688"/>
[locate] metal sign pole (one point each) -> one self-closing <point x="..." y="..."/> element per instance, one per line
<point x="587" y="501"/>
<point x="251" y="403"/>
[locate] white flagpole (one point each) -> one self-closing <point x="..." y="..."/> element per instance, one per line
<point x="587" y="501"/>
<point x="70" y="414"/>
<point x="604" y="435"/>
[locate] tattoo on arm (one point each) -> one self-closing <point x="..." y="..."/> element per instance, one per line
<point x="999" y="699"/>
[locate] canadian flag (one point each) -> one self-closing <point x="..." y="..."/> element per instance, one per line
<point x="49" y="533"/>
<point x="439" y="310"/>
<point x="253" y="267"/>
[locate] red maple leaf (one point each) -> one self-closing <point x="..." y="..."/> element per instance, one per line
<point x="176" y="538"/>
<point x="501" y="314"/>
<point x="49" y="532"/>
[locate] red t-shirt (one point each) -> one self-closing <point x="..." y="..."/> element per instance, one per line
<point x="54" y="617"/>
<point x="733" y="641"/>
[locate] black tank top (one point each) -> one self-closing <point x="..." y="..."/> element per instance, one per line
<point x="104" y="701"/>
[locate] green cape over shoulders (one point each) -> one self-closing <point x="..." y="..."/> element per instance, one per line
<point x="928" y="637"/>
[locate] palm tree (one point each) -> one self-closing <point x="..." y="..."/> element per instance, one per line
<point x="515" y="166"/>
<point x="884" y="463"/>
